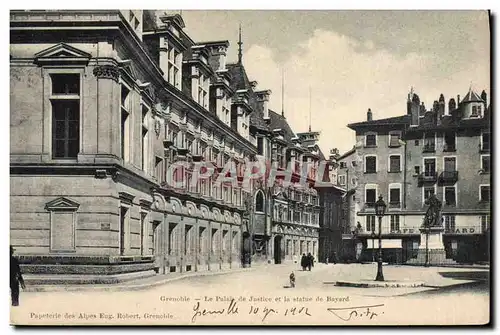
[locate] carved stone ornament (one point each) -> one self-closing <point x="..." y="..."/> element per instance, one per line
<point x="157" y="127"/>
<point x="166" y="106"/>
<point x="106" y="72"/>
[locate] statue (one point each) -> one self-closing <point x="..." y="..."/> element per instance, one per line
<point x="433" y="214"/>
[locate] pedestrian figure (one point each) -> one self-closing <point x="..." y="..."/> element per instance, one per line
<point x="310" y="261"/>
<point x="292" y="279"/>
<point x="16" y="278"/>
<point x="334" y="257"/>
<point x="303" y="262"/>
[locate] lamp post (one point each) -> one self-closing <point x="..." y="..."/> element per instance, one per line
<point x="380" y="207"/>
<point x="427" y="247"/>
<point x="373" y="246"/>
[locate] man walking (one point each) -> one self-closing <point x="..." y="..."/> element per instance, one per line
<point x="310" y="261"/>
<point x="303" y="262"/>
<point x="16" y="278"/>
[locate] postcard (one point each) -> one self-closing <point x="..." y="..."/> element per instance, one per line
<point x="182" y="167"/>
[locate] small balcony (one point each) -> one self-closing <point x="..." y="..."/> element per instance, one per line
<point x="449" y="148"/>
<point x="197" y="155"/>
<point x="429" y="148"/>
<point x="182" y="151"/>
<point x="167" y="143"/>
<point x="369" y="205"/>
<point x="427" y="178"/>
<point x="448" y="177"/>
<point x="394" y="204"/>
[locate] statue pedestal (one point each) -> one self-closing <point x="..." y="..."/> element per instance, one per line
<point x="432" y="238"/>
<point x="431" y="248"/>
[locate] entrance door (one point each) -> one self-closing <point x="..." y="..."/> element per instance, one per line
<point x="277" y="250"/>
<point x="158" y="250"/>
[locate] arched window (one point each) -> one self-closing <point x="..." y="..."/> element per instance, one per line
<point x="259" y="202"/>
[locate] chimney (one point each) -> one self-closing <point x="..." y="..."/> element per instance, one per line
<point x="458" y="99"/>
<point x="484" y="96"/>
<point x="369" y="115"/>
<point x="435" y="106"/>
<point x="422" y="109"/>
<point x="414" y="110"/>
<point x="451" y="106"/>
<point x="218" y="52"/>
<point x="263" y="102"/>
<point x="442" y="107"/>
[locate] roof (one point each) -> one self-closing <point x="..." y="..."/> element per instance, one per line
<point x="403" y="119"/>
<point x="472" y="96"/>
<point x="240" y="81"/>
<point x="348" y="153"/>
<point x="278" y="121"/>
<point x="453" y="121"/>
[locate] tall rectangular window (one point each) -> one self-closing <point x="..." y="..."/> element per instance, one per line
<point x="449" y="223"/>
<point x="484" y="193"/>
<point x="430" y="142"/>
<point x="450" y="196"/>
<point x="428" y="191"/>
<point x="394" y="163"/>
<point x="173" y="71"/>
<point x="370" y="223"/>
<point x="159" y="170"/>
<point x="125" y="123"/>
<point x="260" y="145"/>
<point x="65" y="98"/>
<point x="371" y="140"/>
<point x="370" y="164"/>
<point x="394" y="223"/>
<point x="144" y="139"/>
<point x="143" y="234"/>
<point x="429" y="167"/>
<point x="485" y="141"/>
<point x="450" y="164"/>
<point x="449" y="141"/>
<point x="394" y="139"/>
<point x="485" y="163"/>
<point x="370" y="196"/>
<point x="394" y="196"/>
<point x="123" y="229"/>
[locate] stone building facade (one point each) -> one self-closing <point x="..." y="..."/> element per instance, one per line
<point x="443" y="151"/>
<point x="95" y="125"/>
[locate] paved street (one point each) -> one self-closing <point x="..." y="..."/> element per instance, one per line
<point x="417" y="305"/>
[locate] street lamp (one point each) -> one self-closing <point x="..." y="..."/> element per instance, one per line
<point x="373" y="246"/>
<point x="380" y="207"/>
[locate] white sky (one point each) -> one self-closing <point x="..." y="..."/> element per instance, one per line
<point x="353" y="60"/>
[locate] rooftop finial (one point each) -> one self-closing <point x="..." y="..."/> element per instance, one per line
<point x="240" y="43"/>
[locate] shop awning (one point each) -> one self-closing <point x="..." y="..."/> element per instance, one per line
<point x="386" y="244"/>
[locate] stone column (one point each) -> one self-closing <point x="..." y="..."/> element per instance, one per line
<point x="108" y="110"/>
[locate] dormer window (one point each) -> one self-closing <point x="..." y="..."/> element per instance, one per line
<point x="174" y="64"/>
<point x="203" y="91"/>
<point x="474" y="111"/>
